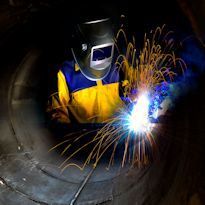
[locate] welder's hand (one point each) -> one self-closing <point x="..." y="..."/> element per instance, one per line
<point x="166" y="104"/>
<point x="163" y="111"/>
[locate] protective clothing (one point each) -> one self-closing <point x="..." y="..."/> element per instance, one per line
<point x="82" y="100"/>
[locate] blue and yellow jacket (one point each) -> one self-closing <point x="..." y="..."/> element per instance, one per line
<point x="83" y="100"/>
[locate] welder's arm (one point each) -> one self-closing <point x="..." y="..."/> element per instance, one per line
<point x="58" y="102"/>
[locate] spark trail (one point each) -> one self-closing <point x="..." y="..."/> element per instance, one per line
<point x="147" y="75"/>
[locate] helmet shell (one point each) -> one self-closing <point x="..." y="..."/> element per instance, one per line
<point x="94" y="48"/>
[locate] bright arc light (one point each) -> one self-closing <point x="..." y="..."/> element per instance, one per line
<point x="139" y="118"/>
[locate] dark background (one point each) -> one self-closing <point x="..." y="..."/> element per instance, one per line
<point x="48" y="24"/>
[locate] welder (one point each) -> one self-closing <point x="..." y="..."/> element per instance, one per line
<point x="88" y="85"/>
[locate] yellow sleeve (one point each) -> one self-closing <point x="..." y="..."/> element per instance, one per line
<point x="58" y="102"/>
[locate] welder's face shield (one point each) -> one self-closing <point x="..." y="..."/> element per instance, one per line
<point x="101" y="56"/>
<point x="94" y="55"/>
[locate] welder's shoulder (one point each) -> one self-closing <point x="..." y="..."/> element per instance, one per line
<point x="67" y="67"/>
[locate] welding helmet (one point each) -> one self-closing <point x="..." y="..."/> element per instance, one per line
<point x="94" y="47"/>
